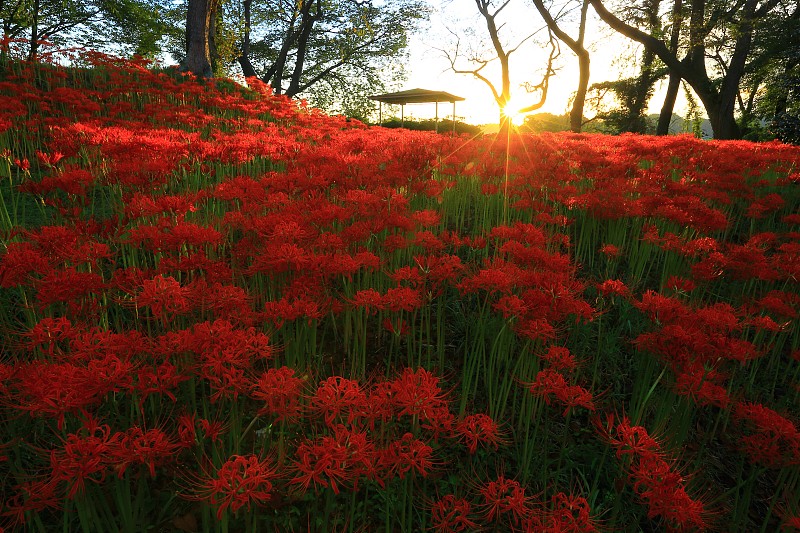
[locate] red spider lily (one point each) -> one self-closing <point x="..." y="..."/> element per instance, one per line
<point x="479" y="429"/>
<point x="427" y="218"/>
<point x="536" y="329"/>
<point x="401" y="330"/>
<point x="560" y="358"/>
<point x="528" y="234"/>
<point x="187" y="429"/>
<point x="84" y="458"/>
<point x="660" y="486"/>
<point x="402" y="299"/>
<point x="380" y="407"/>
<point x="510" y="306"/>
<point x="783" y="304"/>
<point x="49" y="160"/>
<point x="661" y="308"/>
<point x="451" y="515"/>
<point x="764" y="206"/>
<point x="368" y="299"/>
<point x="679" y="284"/>
<point x="654" y="479"/>
<point x="766" y="323"/>
<point x="705" y="386"/>
<point x="67" y="285"/>
<point x="614" y="287"/>
<point x="428" y="241"/>
<point x="212" y="429"/>
<point x="628" y="439"/>
<point x="20" y="261"/>
<point x="791" y="523"/>
<point x="140" y="205"/>
<point x="501" y="279"/>
<point x="51" y="336"/>
<point x="610" y="251"/>
<point x="280" y="391"/>
<point x="150" y="447"/>
<point x="570" y="514"/>
<point x="74" y="182"/>
<point x="161" y="379"/>
<point x="225" y="354"/>
<point x="774" y="440"/>
<point x="408" y="274"/>
<point x="335" y="460"/>
<point x="505" y="499"/>
<point x="549" y="383"/>
<point x="31" y="497"/>
<point x="96" y="344"/>
<point x="164" y="295"/>
<point x="405" y="455"/>
<point x="417" y="394"/>
<point x="55" y="390"/>
<point x="242" y="481"/>
<point x="339" y="398"/>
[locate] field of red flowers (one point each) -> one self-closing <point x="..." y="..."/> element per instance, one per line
<point x="223" y="311"/>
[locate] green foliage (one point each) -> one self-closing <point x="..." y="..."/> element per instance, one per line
<point x="772" y="108"/>
<point x="445" y="125"/>
<point x="353" y="49"/>
<point x="123" y="27"/>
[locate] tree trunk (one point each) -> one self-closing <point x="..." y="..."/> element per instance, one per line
<point x="213" y="49"/>
<point x="576" y="113"/>
<point x="674" y="84"/>
<point x="576" y="45"/>
<point x="726" y="121"/>
<point x="719" y="104"/>
<point x="665" y="118"/>
<point x="306" y="26"/>
<point x="244" y="57"/>
<point x="34" y="49"/>
<point x="198" y="22"/>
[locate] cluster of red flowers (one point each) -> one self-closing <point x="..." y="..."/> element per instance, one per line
<point x="654" y="477"/>
<point x="502" y="504"/>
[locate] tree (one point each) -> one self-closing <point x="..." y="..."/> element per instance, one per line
<point x="199" y="17"/>
<point x="716" y="90"/>
<point x="502" y="53"/>
<point x="125" y="26"/>
<point x="769" y="96"/>
<point x="633" y="93"/>
<point x="578" y="48"/>
<point x="673" y="85"/>
<point x="332" y="50"/>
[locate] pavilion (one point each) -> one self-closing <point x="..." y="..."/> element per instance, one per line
<point x="416" y="96"/>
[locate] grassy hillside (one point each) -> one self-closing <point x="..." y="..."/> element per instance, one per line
<point x="225" y="312"/>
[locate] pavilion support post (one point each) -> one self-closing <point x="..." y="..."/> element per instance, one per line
<point x="454" y="117"/>
<point x="436" y="123"/>
<point x="402" y="115"/>
<point x="380" y="113"/>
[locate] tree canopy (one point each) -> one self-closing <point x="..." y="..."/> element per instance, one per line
<point x="336" y="52"/>
<point x="125" y="27"/>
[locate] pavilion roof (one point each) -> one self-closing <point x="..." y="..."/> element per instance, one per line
<point x="416" y="96"/>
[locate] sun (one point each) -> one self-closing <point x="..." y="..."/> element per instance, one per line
<point x="511" y="110"/>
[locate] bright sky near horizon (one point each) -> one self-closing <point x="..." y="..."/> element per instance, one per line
<point x="428" y="67"/>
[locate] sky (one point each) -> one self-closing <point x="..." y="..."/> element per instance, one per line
<point x="428" y="68"/>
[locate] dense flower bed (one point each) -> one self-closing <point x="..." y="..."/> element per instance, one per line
<point x="223" y="311"/>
